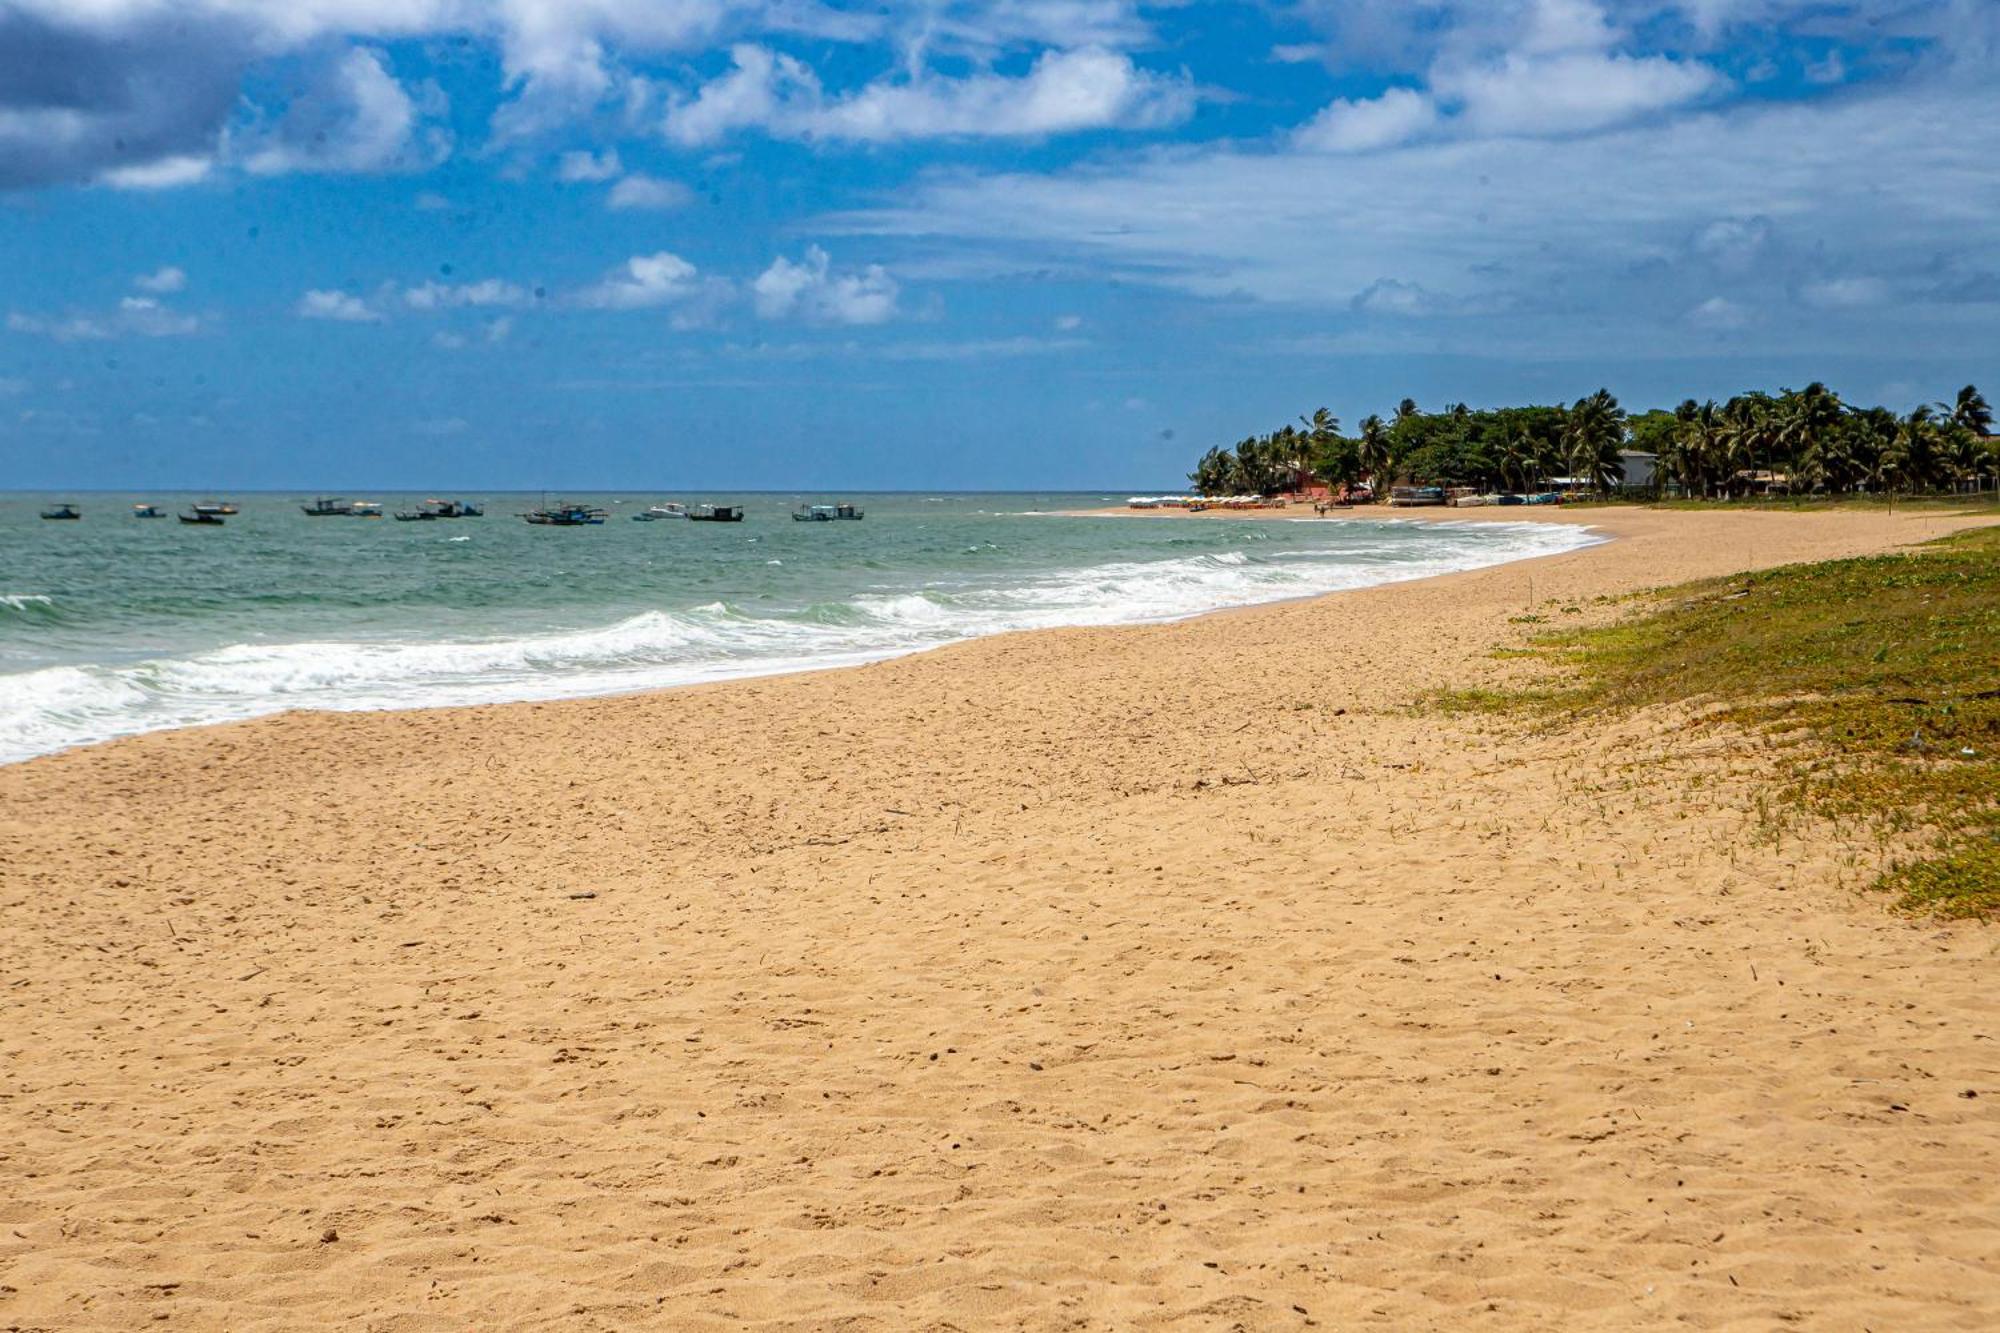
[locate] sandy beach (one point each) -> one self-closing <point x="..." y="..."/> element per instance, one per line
<point x="1178" y="976"/>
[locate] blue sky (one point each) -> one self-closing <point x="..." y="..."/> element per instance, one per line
<point x="685" y="243"/>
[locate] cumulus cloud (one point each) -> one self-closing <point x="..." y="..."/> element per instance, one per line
<point x="342" y="307"/>
<point x="1063" y="92"/>
<point x="645" y="281"/>
<point x="642" y="192"/>
<point x="584" y="165"/>
<point x="1569" y="92"/>
<point x="449" y="296"/>
<point x="811" y="290"/>
<point x="1346" y="126"/>
<point x="1533" y="67"/>
<point x="165" y="173"/>
<point x="132" y="317"/>
<point x="161" y="281"/>
<point x="140" y="89"/>
<point x="1719" y="314"/>
<point x="1849" y="293"/>
<point x="354" y="116"/>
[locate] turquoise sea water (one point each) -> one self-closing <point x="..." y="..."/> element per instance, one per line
<point x="115" y="625"/>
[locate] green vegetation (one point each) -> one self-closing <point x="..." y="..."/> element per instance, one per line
<point x="1881" y="676"/>
<point x="1798" y="442"/>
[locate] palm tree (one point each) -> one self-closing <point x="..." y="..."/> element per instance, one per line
<point x="1908" y="459"/>
<point x="1406" y="409"/>
<point x="1593" y="433"/>
<point x="1213" y="473"/>
<point x="1972" y="412"/>
<point x="1321" y="428"/>
<point x="1377" y="457"/>
<point x="1803" y="424"/>
<point x="1694" y="452"/>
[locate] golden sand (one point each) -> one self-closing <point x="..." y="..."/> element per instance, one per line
<point x="1175" y="976"/>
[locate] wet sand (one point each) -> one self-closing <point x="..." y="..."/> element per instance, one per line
<point x="1170" y="976"/>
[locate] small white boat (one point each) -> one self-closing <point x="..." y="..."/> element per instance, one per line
<point x="671" y="509"/>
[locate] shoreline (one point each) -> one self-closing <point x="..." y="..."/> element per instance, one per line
<point x="1073" y="978"/>
<point x="558" y="688"/>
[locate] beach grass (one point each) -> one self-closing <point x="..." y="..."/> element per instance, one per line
<point x="1881" y="675"/>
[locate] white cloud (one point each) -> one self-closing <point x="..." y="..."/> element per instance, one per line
<point x="165" y="173"/>
<point x="447" y="296"/>
<point x="1536" y="67"/>
<point x="161" y="281"/>
<point x="1388" y="296"/>
<point x="584" y="165"/>
<point x="1397" y="116"/>
<point x="1720" y="314"/>
<point x="498" y="330"/>
<point x="449" y="341"/>
<point x="1569" y="92"/>
<point x="1069" y="323"/>
<point x="133" y="316"/>
<point x="1586" y="242"/>
<point x="1734" y="245"/>
<point x="1062" y="92"/>
<point x="645" y="281"/>
<point x="335" y="305"/>
<point x="429" y="201"/>
<point x="639" y="191"/>
<point x="354" y="116"/>
<point x="812" y="291"/>
<point x="1853" y="293"/>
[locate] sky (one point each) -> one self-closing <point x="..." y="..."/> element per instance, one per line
<point x="777" y="244"/>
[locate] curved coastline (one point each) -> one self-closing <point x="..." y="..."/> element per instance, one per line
<point x="1183" y="971"/>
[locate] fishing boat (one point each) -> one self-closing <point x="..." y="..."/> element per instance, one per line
<point x="671" y="509"/>
<point x="65" y="510"/>
<point x="365" y="509"/>
<point x="436" y="509"/>
<point x="214" y="508"/>
<point x="328" y="507"/>
<point x="147" y="511"/>
<point x="199" y="516"/>
<point x="1406" y="497"/>
<point x="716" y="514"/>
<point x="825" y="513"/>
<point x="563" y="514"/>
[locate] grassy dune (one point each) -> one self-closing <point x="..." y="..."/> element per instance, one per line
<point x="1880" y="675"/>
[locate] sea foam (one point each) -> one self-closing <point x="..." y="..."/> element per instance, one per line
<point x="56" y="707"/>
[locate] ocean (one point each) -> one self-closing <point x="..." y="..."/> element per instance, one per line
<point x="115" y="625"/>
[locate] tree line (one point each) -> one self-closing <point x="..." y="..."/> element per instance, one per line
<point x="1801" y="440"/>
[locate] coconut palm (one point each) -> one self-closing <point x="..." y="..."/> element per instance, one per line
<point x="1972" y="412"/>
<point x="1377" y="455"/>
<point x="1593" y="432"/>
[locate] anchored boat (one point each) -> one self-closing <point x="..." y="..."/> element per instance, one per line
<point x="671" y="509"/>
<point x="563" y="514"/>
<point x="328" y="507"/>
<point x="716" y="514"/>
<point x="65" y="510"/>
<point x="825" y="513"/>
<point x="147" y="511"/>
<point x="199" y="516"/>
